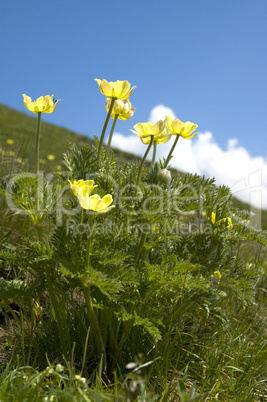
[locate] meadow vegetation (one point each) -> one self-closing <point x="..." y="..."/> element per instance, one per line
<point x="123" y="279"/>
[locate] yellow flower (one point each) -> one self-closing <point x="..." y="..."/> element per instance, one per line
<point x="44" y="104"/>
<point x="155" y="228"/>
<point x="161" y="138"/>
<point x="220" y="222"/>
<point x="217" y="275"/>
<point x="50" y="157"/>
<point x="84" y="187"/>
<point x="9" y="142"/>
<point x="144" y="130"/>
<point x="122" y="108"/>
<point x="177" y="127"/>
<point x="215" y="278"/>
<point x="95" y="203"/>
<point x="118" y="89"/>
<point x="227" y="221"/>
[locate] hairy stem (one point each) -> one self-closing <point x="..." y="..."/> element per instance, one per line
<point x="95" y="326"/>
<point x="90" y="311"/>
<point x="37" y="143"/>
<point x="171" y="151"/>
<point x="89" y="243"/>
<point x="105" y="127"/>
<point x="140" y="246"/>
<point x="60" y="316"/>
<point x="112" y="131"/>
<point x="37" y="156"/>
<point x="154" y="153"/>
<point x="59" y="313"/>
<point x="143" y="160"/>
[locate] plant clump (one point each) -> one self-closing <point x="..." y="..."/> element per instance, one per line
<point x="129" y="275"/>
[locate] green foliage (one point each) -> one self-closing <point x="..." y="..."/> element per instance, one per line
<point x="94" y="291"/>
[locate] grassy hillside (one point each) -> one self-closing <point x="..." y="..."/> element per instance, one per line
<point x="20" y="129"/>
<point x="17" y="142"/>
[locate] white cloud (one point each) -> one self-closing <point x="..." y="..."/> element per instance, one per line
<point x="159" y="112"/>
<point x="234" y="167"/>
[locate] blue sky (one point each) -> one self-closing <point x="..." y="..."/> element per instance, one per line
<point x="205" y="60"/>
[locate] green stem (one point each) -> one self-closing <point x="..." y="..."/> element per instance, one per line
<point x="60" y="315"/>
<point x="105" y="127"/>
<point x="140" y="246"/>
<point x="111" y="131"/>
<point x="81" y="222"/>
<point x="171" y="151"/>
<point x="81" y="216"/>
<point x="37" y="156"/>
<point x="88" y="250"/>
<point x="87" y="295"/>
<point x="37" y="143"/>
<point x="143" y="160"/>
<point x="154" y="153"/>
<point x="95" y="326"/>
<point x="39" y="232"/>
<point x="127" y="327"/>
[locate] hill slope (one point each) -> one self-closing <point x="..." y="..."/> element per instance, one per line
<point x="17" y="140"/>
<point x="20" y="129"/>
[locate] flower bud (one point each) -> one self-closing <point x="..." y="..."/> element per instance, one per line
<point x="59" y="368"/>
<point x="164" y="176"/>
<point x="121" y="108"/>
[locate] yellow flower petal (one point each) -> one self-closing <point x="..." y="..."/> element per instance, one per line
<point x="158" y="127"/>
<point x="142" y="129"/>
<point x="226" y="222"/>
<point x="84" y="201"/>
<point x="122" y="109"/>
<point x="158" y="131"/>
<point x="100" y="205"/>
<point x="217" y="275"/>
<point x="121" y="88"/>
<point x="118" y="89"/>
<point x="27" y="102"/>
<point x="145" y="140"/>
<point x="128" y="115"/>
<point x="83" y="187"/>
<point x="95" y="202"/>
<point x="44" y="104"/>
<point x="174" y="126"/>
<point x="177" y="127"/>
<point x="106" y="88"/>
<point x="188" y="129"/>
<point x="161" y="138"/>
